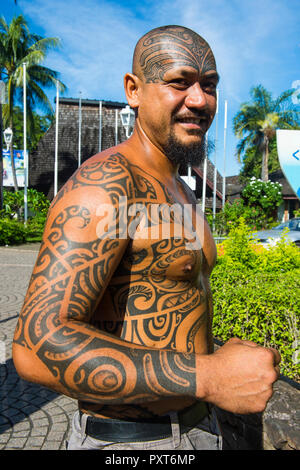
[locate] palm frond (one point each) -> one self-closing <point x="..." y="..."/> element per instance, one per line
<point x="17" y="46"/>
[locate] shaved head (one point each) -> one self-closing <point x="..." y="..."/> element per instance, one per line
<point x="158" y="50"/>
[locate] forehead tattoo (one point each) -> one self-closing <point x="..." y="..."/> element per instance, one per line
<point x="164" y="46"/>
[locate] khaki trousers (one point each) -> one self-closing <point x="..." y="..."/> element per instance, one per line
<point x="204" y="436"/>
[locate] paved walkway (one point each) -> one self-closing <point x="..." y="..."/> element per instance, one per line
<point x="31" y="417"/>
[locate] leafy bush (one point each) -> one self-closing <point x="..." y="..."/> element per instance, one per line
<point x="264" y="194"/>
<point x="13" y="203"/>
<point x="12" y="232"/>
<point x="297" y="212"/>
<point x="35" y="228"/>
<point x="257" y="206"/>
<point x="12" y="228"/>
<point x="255" y="217"/>
<point x="256" y="295"/>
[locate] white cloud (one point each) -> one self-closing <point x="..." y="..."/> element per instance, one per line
<point x="97" y="43"/>
<point x="254" y="41"/>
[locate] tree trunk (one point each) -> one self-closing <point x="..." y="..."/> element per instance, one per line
<point x="265" y="160"/>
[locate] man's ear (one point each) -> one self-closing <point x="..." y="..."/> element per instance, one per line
<point x="132" y="88"/>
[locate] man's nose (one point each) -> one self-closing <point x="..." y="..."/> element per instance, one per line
<point x="196" y="97"/>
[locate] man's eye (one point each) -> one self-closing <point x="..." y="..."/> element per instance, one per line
<point x="210" y="87"/>
<point x="179" y="82"/>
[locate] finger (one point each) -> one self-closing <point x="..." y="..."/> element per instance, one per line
<point x="276" y="356"/>
<point x="277" y="369"/>
<point x="247" y="342"/>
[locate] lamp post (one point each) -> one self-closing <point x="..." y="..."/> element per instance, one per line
<point x="8" y="135"/>
<point x="56" y="141"/>
<point x="127" y="119"/>
<point x="25" y="145"/>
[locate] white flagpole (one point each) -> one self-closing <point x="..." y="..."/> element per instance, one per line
<point x="224" y="170"/>
<point x="100" y="126"/>
<point x="204" y="174"/>
<point x="56" y="140"/>
<point x="79" y="131"/>
<point x="25" y="145"/>
<point x="190" y="175"/>
<point x="116" y="127"/>
<point x="215" y="165"/>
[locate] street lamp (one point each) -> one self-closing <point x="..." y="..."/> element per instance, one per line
<point x="127" y="119"/>
<point x="8" y="134"/>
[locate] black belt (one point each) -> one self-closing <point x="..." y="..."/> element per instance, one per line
<point x="113" y="430"/>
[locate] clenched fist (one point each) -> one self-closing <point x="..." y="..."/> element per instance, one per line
<point x="239" y="376"/>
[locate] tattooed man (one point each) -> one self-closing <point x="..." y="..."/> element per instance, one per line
<point x="118" y="312"/>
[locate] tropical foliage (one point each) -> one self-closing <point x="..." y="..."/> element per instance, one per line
<point x="19" y="46"/>
<point x="39" y="125"/>
<point x="256" y="123"/>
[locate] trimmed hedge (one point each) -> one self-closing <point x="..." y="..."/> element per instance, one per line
<point x="256" y="294"/>
<point x="12" y="232"/>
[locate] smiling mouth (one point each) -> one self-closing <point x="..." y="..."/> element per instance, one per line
<point x="199" y="123"/>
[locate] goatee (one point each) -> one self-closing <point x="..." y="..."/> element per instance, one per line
<point x="187" y="154"/>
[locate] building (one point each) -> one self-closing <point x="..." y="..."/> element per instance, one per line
<point x="101" y="128"/>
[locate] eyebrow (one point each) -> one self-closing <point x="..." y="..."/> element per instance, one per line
<point x="212" y="75"/>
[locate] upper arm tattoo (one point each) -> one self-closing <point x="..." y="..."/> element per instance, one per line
<point x="72" y="271"/>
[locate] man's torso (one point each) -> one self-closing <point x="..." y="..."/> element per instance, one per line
<point x="157" y="296"/>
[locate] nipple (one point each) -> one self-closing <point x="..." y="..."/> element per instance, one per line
<point x="187" y="268"/>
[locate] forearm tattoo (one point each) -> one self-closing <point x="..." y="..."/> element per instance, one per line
<point x="162" y="47"/>
<point x="107" y="321"/>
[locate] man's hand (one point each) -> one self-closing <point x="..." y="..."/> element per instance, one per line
<point x="240" y="376"/>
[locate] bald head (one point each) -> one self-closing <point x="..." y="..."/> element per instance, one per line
<point x="162" y="48"/>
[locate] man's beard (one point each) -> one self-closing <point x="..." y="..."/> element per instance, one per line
<point x="186" y="154"/>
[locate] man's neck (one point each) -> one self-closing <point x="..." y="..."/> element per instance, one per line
<point x="152" y="156"/>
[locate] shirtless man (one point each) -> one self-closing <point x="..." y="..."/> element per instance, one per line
<point x="117" y="314"/>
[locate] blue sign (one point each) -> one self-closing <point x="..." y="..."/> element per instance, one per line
<point x="288" y="149"/>
<point x="19" y="166"/>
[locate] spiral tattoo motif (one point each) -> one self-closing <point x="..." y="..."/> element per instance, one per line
<point x="109" y="318"/>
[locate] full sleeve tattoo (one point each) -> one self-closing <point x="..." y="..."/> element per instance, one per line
<point x="73" y="269"/>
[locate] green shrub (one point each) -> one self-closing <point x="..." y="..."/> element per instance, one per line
<point x="13" y="203"/>
<point x="35" y="228"/>
<point x="12" y="228"/>
<point x="255" y="217"/>
<point x="12" y="232"/>
<point x="256" y="295"/>
<point x="264" y="194"/>
<point x="297" y="212"/>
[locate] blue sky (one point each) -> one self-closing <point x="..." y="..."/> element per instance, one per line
<point x="254" y="42"/>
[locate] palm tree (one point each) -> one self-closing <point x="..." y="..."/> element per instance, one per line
<point x="18" y="46"/>
<point x="256" y="122"/>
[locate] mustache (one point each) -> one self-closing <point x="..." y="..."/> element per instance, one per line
<point x="191" y="117"/>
